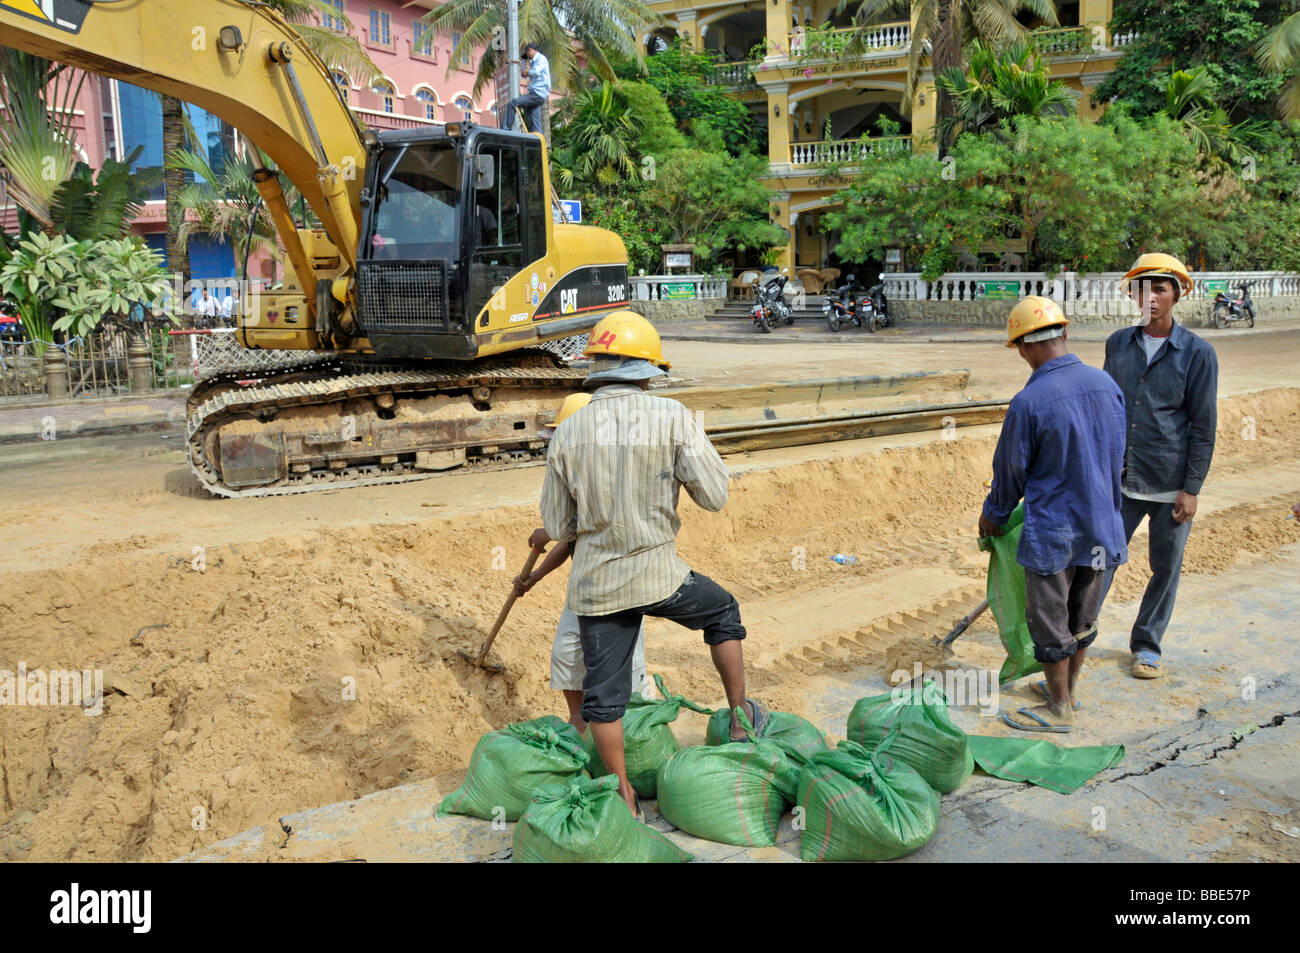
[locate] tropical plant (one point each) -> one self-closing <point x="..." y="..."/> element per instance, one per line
<point x="598" y="138"/>
<point x="110" y="278"/>
<point x="940" y="28"/>
<point x="1278" y="51"/>
<point x="102" y="204"/>
<point x="37" y="143"/>
<point x="1000" y="84"/>
<point x="603" y="30"/>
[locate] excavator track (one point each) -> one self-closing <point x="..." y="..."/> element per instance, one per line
<point x="267" y="439"/>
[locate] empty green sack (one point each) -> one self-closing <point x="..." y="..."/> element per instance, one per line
<point x="1006" y="595"/>
<point x="927" y="739"/>
<point x="798" y="737"/>
<point x="648" y="741"/>
<point x="509" y="765"/>
<point x="586" y="822"/>
<point x="864" y="805"/>
<point x="733" y="793"/>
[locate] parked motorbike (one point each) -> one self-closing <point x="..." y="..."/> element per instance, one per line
<point x="770" y="305"/>
<point x="880" y="304"/>
<point x="849" y="305"/>
<point x="1231" y="310"/>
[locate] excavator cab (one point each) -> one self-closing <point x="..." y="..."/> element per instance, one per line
<point x="450" y="215"/>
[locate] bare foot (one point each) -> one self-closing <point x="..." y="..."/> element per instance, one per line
<point x="735" y="725"/>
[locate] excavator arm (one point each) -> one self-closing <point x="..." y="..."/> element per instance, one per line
<point x="237" y="60"/>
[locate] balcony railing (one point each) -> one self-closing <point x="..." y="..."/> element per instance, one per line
<point x="736" y="75"/>
<point x="846" y="151"/>
<point x="822" y="44"/>
<point x="1065" y="41"/>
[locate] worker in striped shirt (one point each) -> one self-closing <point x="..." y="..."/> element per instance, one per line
<point x="613" y="474"/>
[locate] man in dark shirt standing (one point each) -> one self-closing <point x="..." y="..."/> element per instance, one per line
<point x="1061" y="449"/>
<point x="1170" y="380"/>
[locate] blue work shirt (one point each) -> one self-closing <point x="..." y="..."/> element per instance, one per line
<point x="539" y="75"/>
<point x="1172" y="409"/>
<point x="1061" y="450"/>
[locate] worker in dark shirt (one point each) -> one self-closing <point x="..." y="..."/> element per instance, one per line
<point x="1061" y="450"/>
<point x="1170" y="380"/>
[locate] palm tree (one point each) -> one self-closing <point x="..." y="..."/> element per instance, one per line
<point x="942" y="26"/>
<point x="1190" y="99"/>
<point x="339" y="49"/>
<point x="37" y="143"/>
<point x="599" y="138"/>
<point x="1279" y="51"/>
<point x="602" y="29"/>
<point x="999" y="85"/>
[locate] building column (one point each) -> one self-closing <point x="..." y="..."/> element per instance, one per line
<point x="1096" y="11"/>
<point x="687" y="25"/>
<point x="783" y="220"/>
<point x="923" y="114"/>
<point x="778" y="29"/>
<point x="778" y="124"/>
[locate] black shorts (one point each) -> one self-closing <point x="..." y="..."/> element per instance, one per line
<point x="1061" y="610"/>
<point x="608" y="640"/>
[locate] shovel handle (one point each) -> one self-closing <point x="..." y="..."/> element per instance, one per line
<point x="529" y="563"/>
<point x="964" y="624"/>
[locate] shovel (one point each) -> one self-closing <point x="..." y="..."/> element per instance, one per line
<point x="946" y="644"/>
<point x="477" y="660"/>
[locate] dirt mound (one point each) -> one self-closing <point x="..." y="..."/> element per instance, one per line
<point x="320" y="666"/>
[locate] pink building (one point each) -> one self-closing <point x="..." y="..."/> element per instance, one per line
<point x="112" y="118"/>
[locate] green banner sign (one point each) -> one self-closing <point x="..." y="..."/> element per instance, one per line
<point x="1216" y="284"/>
<point x="677" y="291"/>
<point x="1001" y="290"/>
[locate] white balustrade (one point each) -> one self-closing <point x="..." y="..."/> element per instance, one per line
<point x="648" y="287"/>
<point x="845" y="151"/>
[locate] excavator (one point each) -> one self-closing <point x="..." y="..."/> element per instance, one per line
<point x="420" y="303"/>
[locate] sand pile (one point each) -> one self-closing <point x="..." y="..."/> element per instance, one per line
<point x="320" y="666"/>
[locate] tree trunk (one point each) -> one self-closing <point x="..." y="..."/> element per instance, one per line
<point x="178" y="259"/>
<point x="946" y="49"/>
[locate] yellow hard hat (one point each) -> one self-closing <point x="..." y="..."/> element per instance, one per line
<point x="1157" y="265"/>
<point x="570" y="406"/>
<point x="1033" y="314"/>
<point x="626" y="334"/>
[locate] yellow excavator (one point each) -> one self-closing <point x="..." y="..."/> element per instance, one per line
<point x="418" y="305"/>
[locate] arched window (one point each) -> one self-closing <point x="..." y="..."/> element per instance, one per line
<point x="429" y="100"/>
<point x="387" y="94"/>
<point x="463" y="103"/>
<point x="343" y="83"/>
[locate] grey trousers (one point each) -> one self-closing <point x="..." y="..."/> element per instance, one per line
<point x="1061" y="611"/>
<point x="1165" y="551"/>
<point x="531" y="104"/>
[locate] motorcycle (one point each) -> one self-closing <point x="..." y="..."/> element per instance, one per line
<point x="770" y="305"/>
<point x="880" y="304"/>
<point x="848" y="305"/>
<point x="1230" y="310"/>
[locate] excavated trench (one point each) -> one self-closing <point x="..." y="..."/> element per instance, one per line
<point x="314" y="666"/>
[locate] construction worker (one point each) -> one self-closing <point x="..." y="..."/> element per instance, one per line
<point x="539" y="89"/>
<point x="567" y="670"/>
<point x="1061" y="450"/>
<point x="613" y="474"/>
<point x="1170" y="380"/>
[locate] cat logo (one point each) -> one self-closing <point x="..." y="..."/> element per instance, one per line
<point x="65" y="14"/>
<point x="568" y="300"/>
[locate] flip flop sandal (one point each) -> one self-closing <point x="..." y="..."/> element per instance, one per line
<point x="1146" y="665"/>
<point x="1044" y="724"/>
<point x="1041" y="688"/>
<point x="759" y="720"/>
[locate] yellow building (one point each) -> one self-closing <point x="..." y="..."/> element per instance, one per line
<point x="780" y="57"/>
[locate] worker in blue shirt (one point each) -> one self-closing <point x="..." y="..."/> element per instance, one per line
<point x="539" y="89"/>
<point x="1061" y="450"/>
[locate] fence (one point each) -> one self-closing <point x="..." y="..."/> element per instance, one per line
<point x="109" y="361"/>
<point x="1102" y="293"/>
<point x="677" y="287"/>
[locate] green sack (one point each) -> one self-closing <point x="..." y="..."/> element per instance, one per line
<point x="648" y="741"/>
<point x="509" y="765"/>
<point x="586" y="822"/>
<point x="1006" y="593"/>
<point x="927" y="739"/>
<point x="1043" y="762"/>
<point x="798" y="737"/>
<point x="862" y="804"/>
<point x="733" y="793"/>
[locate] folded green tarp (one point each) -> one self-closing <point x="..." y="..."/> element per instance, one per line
<point x="1006" y="594"/>
<point x="927" y="740"/>
<point x="586" y="822"/>
<point x="862" y="804"/>
<point x="799" y="737"/>
<point x="509" y="765"/>
<point x="648" y="740"/>
<point x="1041" y="762"/>
<point x="733" y="793"/>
